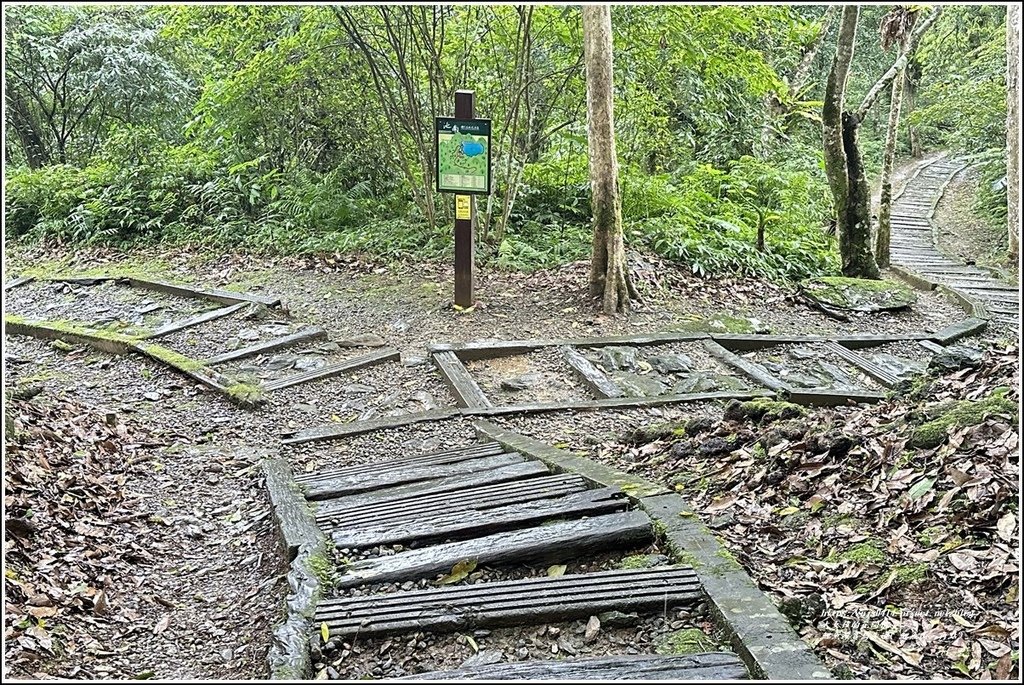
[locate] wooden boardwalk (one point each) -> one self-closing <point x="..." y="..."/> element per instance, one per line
<point x="914" y="246"/>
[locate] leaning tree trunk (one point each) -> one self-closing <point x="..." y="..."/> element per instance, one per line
<point x="1013" y="128"/>
<point x="609" y="277"/>
<point x="884" y="234"/>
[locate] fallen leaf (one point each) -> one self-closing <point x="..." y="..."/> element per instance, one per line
<point x="556" y="571"/>
<point x="459" y="571"/>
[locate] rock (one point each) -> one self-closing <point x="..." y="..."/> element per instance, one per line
<point x="727" y="382"/>
<point x="698" y="425"/>
<point x="227" y="654"/>
<point x="712" y="447"/>
<point x="634" y="385"/>
<point x="399" y="325"/>
<point x="484" y="658"/>
<point x="152" y="396"/>
<point x="523" y="382"/>
<point x="61" y="345"/>
<point x="281" y="362"/>
<point x="694" y="382"/>
<point x="803" y="611"/>
<point x="593" y="628"/>
<point x="670" y="363"/>
<point x="328" y="347"/>
<point x="357" y="389"/>
<point x="618" y="358"/>
<point x="302" y="406"/>
<point x="902" y="369"/>
<point x="424" y="398"/>
<point x="248" y="334"/>
<point x="362" y="340"/>
<point x="801" y="352"/>
<point x="413" y="360"/>
<point x="858" y="294"/>
<point x="309" y="362"/>
<point x="522" y="653"/>
<point x="617" y="619"/>
<point x="956" y="357"/>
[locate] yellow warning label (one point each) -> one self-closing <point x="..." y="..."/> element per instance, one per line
<point x="462" y="207"/>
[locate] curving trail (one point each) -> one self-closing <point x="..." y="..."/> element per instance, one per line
<point x="914" y="248"/>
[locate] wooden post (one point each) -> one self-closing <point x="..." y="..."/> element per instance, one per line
<point x="464" y="227"/>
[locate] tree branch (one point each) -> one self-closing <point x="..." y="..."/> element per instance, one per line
<point x="898" y="66"/>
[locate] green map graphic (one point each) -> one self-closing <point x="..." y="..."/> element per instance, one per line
<point x="459" y="170"/>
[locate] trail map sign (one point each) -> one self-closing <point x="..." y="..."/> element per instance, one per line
<point x="463" y="155"/>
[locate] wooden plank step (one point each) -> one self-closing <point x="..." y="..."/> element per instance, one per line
<point x="15" y="282"/>
<point x="592" y="377"/>
<point x="751" y="370"/>
<point x="347" y="485"/>
<point x="333" y="431"/>
<point x="543" y="544"/>
<point x="707" y="666"/>
<point x="455" y="375"/>
<point x="615" y="403"/>
<point x="388" y="354"/>
<point x="421" y="490"/>
<point x="212" y="315"/>
<point x="458" y="520"/>
<point x="541" y="486"/>
<point x="225" y="296"/>
<point x="313" y="333"/>
<point x="441" y="457"/>
<point x="511" y="602"/>
<point x="864" y="364"/>
<point x="958" y="330"/>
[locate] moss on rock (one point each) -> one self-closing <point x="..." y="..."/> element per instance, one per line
<point x="960" y="414"/>
<point x="762" y="410"/>
<point x="859" y="294"/>
<point x="685" y="641"/>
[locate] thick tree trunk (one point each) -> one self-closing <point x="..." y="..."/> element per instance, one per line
<point x="843" y="164"/>
<point x="884" y="234"/>
<point x="609" y="276"/>
<point x="28" y="134"/>
<point x="1013" y="128"/>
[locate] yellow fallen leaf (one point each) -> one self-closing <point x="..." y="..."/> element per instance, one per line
<point x="325" y="632"/>
<point x="556" y="570"/>
<point x="459" y="571"/>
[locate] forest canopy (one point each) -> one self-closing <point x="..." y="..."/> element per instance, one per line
<point x="296" y="129"/>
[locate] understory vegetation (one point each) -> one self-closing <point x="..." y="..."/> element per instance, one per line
<point x="310" y="129"/>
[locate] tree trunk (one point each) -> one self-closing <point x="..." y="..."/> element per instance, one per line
<point x="28" y="134"/>
<point x="884" y="234"/>
<point x="843" y="164"/>
<point x="609" y="277"/>
<point x="1013" y="128"/>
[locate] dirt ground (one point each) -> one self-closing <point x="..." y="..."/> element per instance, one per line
<point x="201" y="600"/>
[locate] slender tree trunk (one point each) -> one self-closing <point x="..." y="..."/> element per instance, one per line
<point x="609" y="276"/>
<point x="843" y="164"/>
<point x="1013" y="128"/>
<point x="28" y="134"/>
<point x="882" y="238"/>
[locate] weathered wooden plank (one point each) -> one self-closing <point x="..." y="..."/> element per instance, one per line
<point x="826" y="397"/>
<point x="550" y="543"/>
<point x="388" y="354"/>
<point x="746" y="343"/>
<point x="478" y="449"/>
<point x="79" y="280"/>
<point x="614" y="403"/>
<point x="472" y="520"/>
<point x="15" y="282"/>
<point x="225" y="296"/>
<point x="437" y="607"/>
<point x="112" y="343"/>
<point x="592" y="377"/>
<point x="462" y="386"/>
<point x="931" y="346"/>
<point x="333" y="431"/>
<point x="312" y="333"/>
<point x="241" y="394"/>
<point x="478" y="496"/>
<point x="196" y="320"/>
<point x="959" y="330"/>
<point x="855" y="342"/>
<point x="750" y="369"/>
<point x="471" y="351"/>
<point x="437" y="487"/>
<point x="563" y="461"/>
<point x="709" y="666"/>
<point x="357" y="606"/>
<point x="346" y="485"/>
<point x="866" y="365"/>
